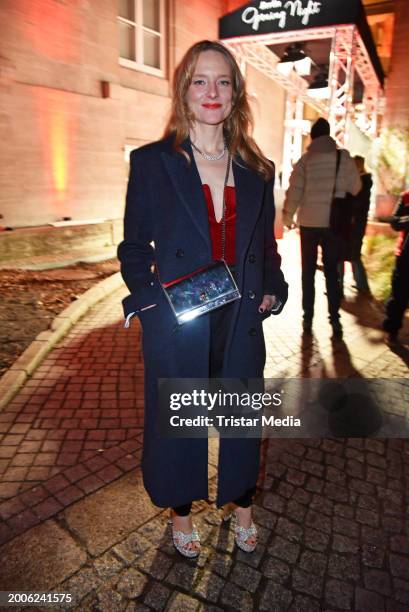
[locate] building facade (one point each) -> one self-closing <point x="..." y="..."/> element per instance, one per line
<point x="84" y="82"/>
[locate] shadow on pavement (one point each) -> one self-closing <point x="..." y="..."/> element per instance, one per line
<point x="401" y="351"/>
<point x="366" y="310"/>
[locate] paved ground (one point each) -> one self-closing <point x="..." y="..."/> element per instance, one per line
<point x="331" y="512"/>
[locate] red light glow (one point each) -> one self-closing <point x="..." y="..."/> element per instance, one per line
<point x="50" y="28"/>
<point x="55" y="115"/>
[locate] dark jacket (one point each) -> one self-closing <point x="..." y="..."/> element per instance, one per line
<point x="400" y="222"/>
<point x="165" y="204"/>
<point x="359" y="211"/>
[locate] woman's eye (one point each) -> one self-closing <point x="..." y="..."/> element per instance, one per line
<point x="198" y="81"/>
<point x="225" y="82"/>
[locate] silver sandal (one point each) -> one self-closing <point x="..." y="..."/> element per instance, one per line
<point x="241" y="534"/>
<point x="181" y="541"/>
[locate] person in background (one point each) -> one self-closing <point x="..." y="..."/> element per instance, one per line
<point x="352" y="251"/>
<point x="313" y="182"/>
<point x="398" y="300"/>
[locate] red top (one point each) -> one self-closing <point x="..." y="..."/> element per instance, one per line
<point x="216" y="228"/>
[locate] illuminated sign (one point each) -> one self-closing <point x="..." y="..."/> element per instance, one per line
<point x="278" y="11"/>
<point x="264" y="17"/>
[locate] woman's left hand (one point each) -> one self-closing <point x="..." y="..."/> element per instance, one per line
<point x="267" y="303"/>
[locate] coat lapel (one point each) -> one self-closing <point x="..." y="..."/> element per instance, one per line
<point x="186" y="181"/>
<point x="249" y="198"/>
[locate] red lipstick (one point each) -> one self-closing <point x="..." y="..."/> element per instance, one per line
<point x="214" y="105"/>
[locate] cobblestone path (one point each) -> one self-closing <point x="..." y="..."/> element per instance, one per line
<point x="331" y="513"/>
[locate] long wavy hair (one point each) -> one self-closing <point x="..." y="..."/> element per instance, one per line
<point x="237" y="127"/>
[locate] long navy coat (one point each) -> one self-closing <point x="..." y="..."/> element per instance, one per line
<point x="165" y="204"/>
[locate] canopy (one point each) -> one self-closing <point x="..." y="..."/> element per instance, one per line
<point x="336" y="36"/>
<point x="281" y="16"/>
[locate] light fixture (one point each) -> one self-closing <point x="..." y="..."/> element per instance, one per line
<point x="319" y="87"/>
<point x="295" y="57"/>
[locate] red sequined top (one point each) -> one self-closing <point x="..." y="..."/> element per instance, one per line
<point x="216" y="228"/>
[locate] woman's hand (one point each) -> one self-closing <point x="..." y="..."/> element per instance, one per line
<point x="267" y="303"/>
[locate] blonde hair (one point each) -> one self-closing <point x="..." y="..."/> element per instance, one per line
<point x="238" y="125"/>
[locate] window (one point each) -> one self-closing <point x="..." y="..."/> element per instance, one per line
<point x="141" y="35"/>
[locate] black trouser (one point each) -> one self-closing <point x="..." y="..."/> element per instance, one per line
<point x="244" y="502"/>
<point x="311" y="238"/>
<point x="398" y="301"/>
<point x="219" y="329"/>
<point x="359" y="273"/>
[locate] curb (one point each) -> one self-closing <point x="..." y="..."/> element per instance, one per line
<point x="34" y="354"/>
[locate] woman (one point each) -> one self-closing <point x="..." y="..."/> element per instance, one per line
<point x="178" y="189"/>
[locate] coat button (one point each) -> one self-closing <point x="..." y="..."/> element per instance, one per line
<point x="252" y="258"/>
<point x="251" y="295"/>
<point x="180" y="253"/>
<point x="252" y="331"/>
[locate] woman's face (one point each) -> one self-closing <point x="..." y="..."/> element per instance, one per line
<point x="210" y="93"/>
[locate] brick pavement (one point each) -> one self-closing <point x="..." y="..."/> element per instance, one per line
<point x="332" y="513"/>
<point x="76" y="424"/>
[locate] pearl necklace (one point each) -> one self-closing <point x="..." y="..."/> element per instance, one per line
<point x="210" y="157"/>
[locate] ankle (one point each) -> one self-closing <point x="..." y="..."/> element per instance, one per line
<point x="244" y="516"/>
<point x="182" y="523"/>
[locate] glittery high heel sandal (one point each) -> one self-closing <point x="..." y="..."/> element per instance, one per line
<point x="181" y="541"/>
<point x="241" y="534"/>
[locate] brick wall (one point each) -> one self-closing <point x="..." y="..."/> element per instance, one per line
<point x="397" y="86"/>
<point x="63" y="141"/>
<point x="195" y="20"/>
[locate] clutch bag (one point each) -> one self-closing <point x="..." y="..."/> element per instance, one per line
<point x="201" y="291"/>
